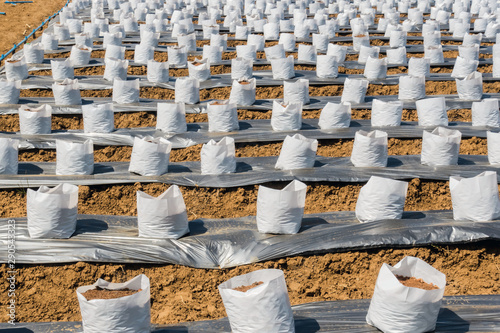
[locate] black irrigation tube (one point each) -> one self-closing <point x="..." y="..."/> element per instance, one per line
<point x="13" y="49"/>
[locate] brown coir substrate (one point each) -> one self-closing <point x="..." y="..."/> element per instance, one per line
<point x="100" y="293"/>
<point x="412" y="282"/>
<point x="47" y="292"/>
<point x="244" y="289"/>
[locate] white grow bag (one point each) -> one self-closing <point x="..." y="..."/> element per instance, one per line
<point x="187" y="90"/>
<point x="157" y="72"/>
<point x="381" y="199"/>
<point x="281" y="211"/>
<point x="49" y="41"/>
<point x="222" y="116"/>
<point x="265" y="308"/>
<point x="177" y="56"/>
<point x="10" y="91"/>
<point x="150" y="156"/>
<point x="98" y="118"/>
<point x="52" y="212"/>
<point x="493" y="140"/>
<point x="199" y="69"/>
<point x="80" y="55"/>
<point x="411" y="87"/>
<point x="125" y="91"/>
<point x="35" y="120"/>
<point x="307" y="53"/>
<point x="471" y="87"/>
<point x="62" y="69"/>
<point x="354" y="90"/>
<point x="335" y="115"/>
<point x="434" y="54"/>
<point x="486" y="113"/>
<point x="327" y="67"/>
<point x="476" y="198"/>
<point x="9" y="152"/>
<point x="375" y="69"/>
<point x="129" y="314"/>
<point x="432" y="112"/>
<point x="396" y="56"/>
<point x="246" y="51"/>
<point x="164" y="216"/>
<point x="440" y="147"/>
<point x="288" y="41"/>
<point x="392" y="300"/>
<point x="365" y="52"/>
<point x="296" y="92"/>
<point x="33" y="53"/>
<point x="67" y="92"/>
<point x="286" y="117"/>
<point x="243" y="92"/>
<point x="115" y="51"/>
<point x="419" y="67"/>
<point x="338" y="51"/>
<point x="283" y="69"/>
<point x="74" y="158"/>
<point x="275" y="52"/>
<point x="16" y="69"/>
<point x="241" y="68"/>
<point x="218" y="157"/>
<point x="143" y="53"/>
<point x="463" y="67"/>
<point x="115" y="69"/>
<point x="369" y="149"/>
<point x="386" y="113"/>
<point x="171" y="118"/>
<point x="297" y="152"/>
<point x="212" y="53"/>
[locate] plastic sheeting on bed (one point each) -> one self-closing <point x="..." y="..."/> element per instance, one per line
<point x="479" y="313"/>
<point x="263" y="78"/>
<point x="251" y="171"/>
<point x="146" y="104"/>
<point x="258" y="130"/>
<point x="232" y="242"/>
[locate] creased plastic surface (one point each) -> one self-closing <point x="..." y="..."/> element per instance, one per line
<point x="233" y="242"/>
<point x="251" y="171"/>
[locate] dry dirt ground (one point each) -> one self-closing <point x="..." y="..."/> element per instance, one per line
<point x="20" y="20"/>
<point x="47" y="292"/>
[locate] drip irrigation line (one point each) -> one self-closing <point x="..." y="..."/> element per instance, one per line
<point x="25" y="39"/>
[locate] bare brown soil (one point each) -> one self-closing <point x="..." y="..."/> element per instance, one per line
<point x="100" y="293"/>
<point x="412" y="282"/>
<point x="244" y="289"/>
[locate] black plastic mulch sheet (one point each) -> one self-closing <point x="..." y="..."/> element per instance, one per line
<point x="263" y="79"/>
<point x="259" y="130"/>
<point x="458" y="314"/>
<point x="316" y="103"/>
<point x="225" y="243"/>
<point x="252" y="171"/>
